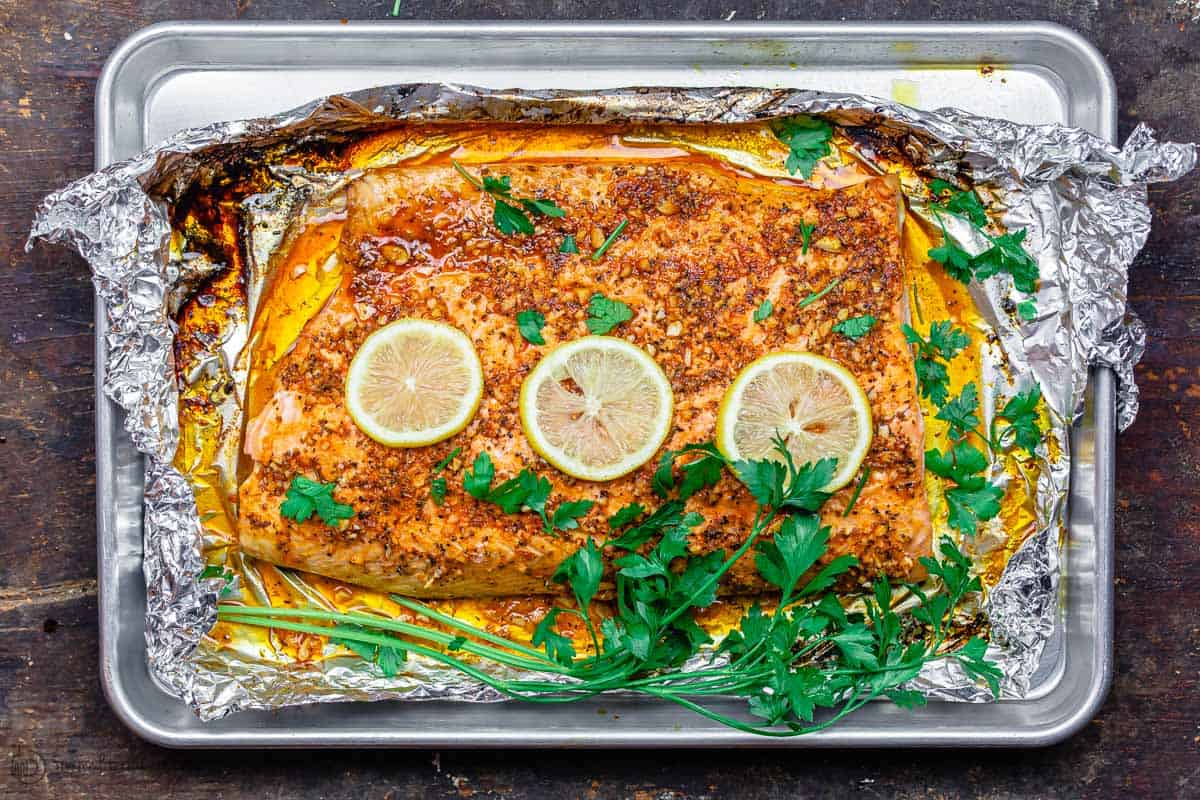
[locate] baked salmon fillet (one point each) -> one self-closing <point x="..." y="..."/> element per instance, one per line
<point x="703" y="248"/>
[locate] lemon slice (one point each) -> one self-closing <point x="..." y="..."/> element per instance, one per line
<point x="414" y="382"/>
<point x="813" y="403"/>
<point x="597" y="407"/>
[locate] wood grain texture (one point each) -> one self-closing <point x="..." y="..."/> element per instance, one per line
<point x="59" y="737"/>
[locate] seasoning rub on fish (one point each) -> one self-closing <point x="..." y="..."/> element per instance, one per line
<point x="701" y="249"/>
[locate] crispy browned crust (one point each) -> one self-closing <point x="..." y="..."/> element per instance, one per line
<point x="703" y="247"/>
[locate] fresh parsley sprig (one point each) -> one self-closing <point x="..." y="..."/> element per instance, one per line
<point x="944" y="343"/>
<point x="1020" y="414"/>
<point x="949" y="199"/>
<point x="806" y="654"/>
<point x="528" y="491"/>
<point x="306" y="497"/>
<point x="971" y="498"/>
<point x="510" y="217"/>
<point x="1003" y="255"/>
<point x="807" y="139"/>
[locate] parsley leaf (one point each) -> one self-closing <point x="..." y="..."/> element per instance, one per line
<point x="764" y="310"/>
<point x="306" y="496"/>
<point x="1004" y="255"/>
<point x="962" y="203"/>
<point x="388" y="659"/>
<point x="507" y="217"/>
<point x="960" y="411"/>
<point x="1021" y="412"/>
<point x="780" y="485"/>
<point x="1008" y="256"/>
<point x="566" y="516"/>
<point x="545" y="208"/>
<point x="1027" y="310"/>
<point x="698" y="474"/>
<point x="808" y="140"/>
<point x="625" y="515"/>
<point x="559" y="648"/>
<point x="960" y="463"/>
<point x="477" y="481"/>
<point x="568" y="244"/>
<point x="855" y="328"/>
<point x="667" y="517"/>
<point x="971" y="656"/>
<point x="527" y="491"/>
<point x="783" y="560"/>
<point x="530" y="324"/>
<point x="582" y="571"/>
<point x="973" y="499"/>
<point x="605" y="314"/>
<point x="944" y="342"/>
<point x="969" y="507"/>
<point x="956" y="261"/>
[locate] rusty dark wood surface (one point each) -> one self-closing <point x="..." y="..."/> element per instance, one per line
<point x="59" y="737"/>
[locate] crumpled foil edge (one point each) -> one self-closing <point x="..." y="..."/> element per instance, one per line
<point x="1081" y="199"/>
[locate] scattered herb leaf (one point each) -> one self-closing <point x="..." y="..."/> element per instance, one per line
<point x="960" y="412"/>
<point x="1021" y="412"/>
<point x="808" y="140"/>
<point x="944" y="343"/>
<point x="764" y="310"/>
<point x="963" y="203"/>
<point x="510" y="217"/>
<point x="568" y="244"/>
<point x="530" y="324"/>
<point x="306" y="497"/>
<point x="527" y="491"/>
<point x="855" y="328"/>
<point x="605" y="314"/>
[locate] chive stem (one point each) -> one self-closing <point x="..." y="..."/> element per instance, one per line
<point x="612" y="237"/>
<point x="857" y="491"/>
<point x="470" y="178"/>
<point x="812" y="298"/>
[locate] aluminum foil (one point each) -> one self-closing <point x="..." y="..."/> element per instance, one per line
<point x="1081" y="200"/>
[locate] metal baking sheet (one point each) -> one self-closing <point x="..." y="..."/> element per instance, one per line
<point x="176" y="75"/>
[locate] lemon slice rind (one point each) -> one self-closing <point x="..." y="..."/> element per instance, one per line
<point x="837" y="410"/>
<point x="614" y="418"/>
<point x="434" y="363"/>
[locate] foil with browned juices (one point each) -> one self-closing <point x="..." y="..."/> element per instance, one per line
<point x="233" y="242"/>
